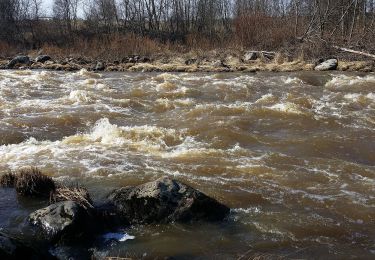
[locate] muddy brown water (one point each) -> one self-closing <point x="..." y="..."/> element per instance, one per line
<point x="293" y="154"/>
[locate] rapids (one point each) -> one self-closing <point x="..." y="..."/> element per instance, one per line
<point x="293" y="154"/>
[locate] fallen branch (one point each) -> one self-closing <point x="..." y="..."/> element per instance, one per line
<point x="355" y="52"/>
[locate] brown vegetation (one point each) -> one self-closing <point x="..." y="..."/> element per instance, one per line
<point x="77" y="194"/>
<point x="111" y="29"/>
<point x="28" y="182"/>
<point x="32" y="182"/>
<point x="8" y="180"/>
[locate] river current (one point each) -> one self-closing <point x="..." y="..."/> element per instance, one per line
<point x="292" y="154"/>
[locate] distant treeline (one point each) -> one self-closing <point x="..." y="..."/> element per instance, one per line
<point x="268" y="24"/>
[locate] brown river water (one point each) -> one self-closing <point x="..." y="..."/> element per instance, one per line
<point x="292" y="154"/>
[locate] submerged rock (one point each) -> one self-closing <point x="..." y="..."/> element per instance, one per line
<point x="64" y="221"/>
<point x="18" y="60"/>
<point x="330" y="64"/>
<point x="165" y="200"/>
<point x="42" y="58"/>
<point x="12" y="248"/>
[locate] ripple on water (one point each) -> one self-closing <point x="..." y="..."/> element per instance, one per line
<point x="292" y="154"/>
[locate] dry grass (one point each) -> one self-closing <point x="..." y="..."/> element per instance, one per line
<point x="77" y="194"/>
<point x="113" y="47"/>
<point x="8" y="180"/>
<point x="7" y="49"/>
<point x="265" y="32"/>
<point x="32" y="182"/>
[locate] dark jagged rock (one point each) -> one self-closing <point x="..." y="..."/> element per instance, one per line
<point x="165" y="200"/>
<point x="42" y="58"/>
<point x="324" y="65"/>
<point x="64" y="222"/>
<point x="25" y="60"/>
<point x="11" y="248"/>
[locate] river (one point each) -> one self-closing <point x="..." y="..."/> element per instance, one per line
<point x="292" y="154"/>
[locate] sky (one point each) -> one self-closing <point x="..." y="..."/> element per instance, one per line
<point x="47" y="8"/>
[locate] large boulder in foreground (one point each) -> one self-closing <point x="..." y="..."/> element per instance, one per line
<point x="330" y="64"/>
<point x="64" y="221"/>
<point x="165" y="200"/>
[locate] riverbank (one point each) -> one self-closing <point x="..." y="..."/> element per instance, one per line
<point x="248" y="62"/>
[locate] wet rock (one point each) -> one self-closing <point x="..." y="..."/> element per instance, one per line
<point x="70" y="253"/>
<point x="99" y="66"/>
<point x="250" y="55"/>
<point x="12" y="248"/>
<point x="64" y="221"/>
<point x="42" y="58"/>
<point x="165" y="200"/>
<point x="330" y="64"/>
<point x="24" y="60"/>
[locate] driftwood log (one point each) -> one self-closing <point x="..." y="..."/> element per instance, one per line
<point x="355" y="52"/>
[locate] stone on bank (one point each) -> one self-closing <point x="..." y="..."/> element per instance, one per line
<point x="330" y="64"/>
<point x="24" y="60"/>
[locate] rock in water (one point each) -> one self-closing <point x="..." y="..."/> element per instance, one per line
<point x="330" y="64"/>
<point x="11" y="248"/>
<point x="18" y="60"/>
<point x="63" y="221"/>
<point x="165" y="200"/>
<point x="42" y="58"/>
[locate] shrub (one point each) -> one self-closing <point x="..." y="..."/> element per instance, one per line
<point x="8" y="180"/>
<point x="77" y="194"/>
<point x="34" y="183"/>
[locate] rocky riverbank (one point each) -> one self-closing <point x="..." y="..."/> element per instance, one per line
<point x="252" y="61"/>
<point x="72" y="218"/>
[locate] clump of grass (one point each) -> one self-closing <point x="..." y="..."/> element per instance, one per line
<point x="77" y="194"/>
<point x="8" y="180"/>
<point x="33" y="183"/>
